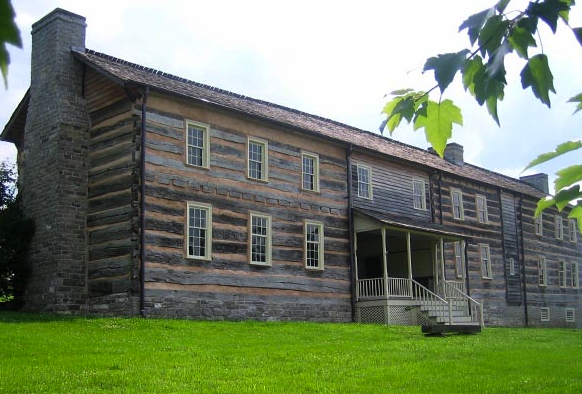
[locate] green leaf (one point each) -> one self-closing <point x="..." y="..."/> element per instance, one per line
<point x="576" y="213"/>
<point x="549" y="11"/>
<point x="401" y="107"/>
<point x="475" y="23"/>
<point x="568" y="176"/>
<point x="493" y="32"/>
<point x="488" y="90"/>
<point x="496" y="65"/>
<point x="538" y="75"/>
<point x="470" y="69"/>
<point x="401" y="92"/>
<point x="561" y="149"/>
<point x="445" y="67"/>
<point x="501" y="6"/>
<point x="520" y="39"/>
<point x="577" y="99"/>
<point x="578" y="33"/>
<point x="437" y="120"/>
<point x="9" y="34"/>
<point x="564" y="197"/>
<point x="543" y="204"/>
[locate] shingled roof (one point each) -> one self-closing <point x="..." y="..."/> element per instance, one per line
<point x="127" y="73"/>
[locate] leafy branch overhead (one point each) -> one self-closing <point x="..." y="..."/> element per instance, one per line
<point x="494" y="34"/>
<point x="9" y="34"/>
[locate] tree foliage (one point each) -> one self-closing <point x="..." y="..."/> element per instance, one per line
<point x="494" y="34"/>
<point x="15" y="235"/>
<point x="9" y="34"/>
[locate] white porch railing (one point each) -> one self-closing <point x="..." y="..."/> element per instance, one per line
<point x="460" y="300"/>
<point x="370" y="288"/>
<point x="458" y="284"/>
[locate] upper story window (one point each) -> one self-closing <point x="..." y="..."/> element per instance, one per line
<point x="485" y="261"/>
<point x="364" y="181"/>
<point x="260" y="239"/>
<point x="257" y="159"/>
<point x="313" y="245"/>
<point x="573" y="230"/>
<point x="562" y="273"/>
<point x="559" y="224"/>
<point x="310" y="172"/>
<point x="199" y="237"/>
<point x="575" y="277"/>
<point x="542" y="271"/>
<point x="419" y="194"/>
<point x="459" y="258"/>
<point x="539" y="224"/>
<point x="197" y="144"/>
<point x="481" y="202"/>
<point x="457" y="204"/>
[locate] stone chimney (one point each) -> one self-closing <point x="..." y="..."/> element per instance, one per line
<point x="54" y="166"/>
<point x="453" y="153"/>
<point x="538" y="181"/>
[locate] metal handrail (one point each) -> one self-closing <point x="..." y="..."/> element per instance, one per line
<point x="429" y="298"/>
<point x="474" y="308"/>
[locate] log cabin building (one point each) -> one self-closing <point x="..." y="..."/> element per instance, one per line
<point x="160" y="196"/>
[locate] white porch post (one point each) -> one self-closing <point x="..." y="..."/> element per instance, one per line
<point x="436" y="256"/>
<point x="409" y="257"/>
<point x="443" y="259"/>
<point x="355" y="249"/>
<point x="385" y="262"/>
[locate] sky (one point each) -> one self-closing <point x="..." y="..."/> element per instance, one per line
<point x="336" y="59"/>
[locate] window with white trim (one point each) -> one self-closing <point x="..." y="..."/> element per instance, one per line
<point x="458" y="247"/>
<point x="575" y="278"/>
<point x="260" y="239"/>
<point x="364" y="181"/>
<point x="545" y="314"/>
<point x="562" y="273"/>
<point x="542" y="271"/>
<point x="457" y="204"/>
<point x="570" y="316"/>
<point x="485" y="261"/>
<point x="310" y="171"/>
<point x="313" y="245"/>
<point x="197" y="144"/>
<point x="419" y="194"/>
<point x="511" y="266"/>
<point x="257" y="159"/>
<point x="199" y="236"/>
<point x="539" y="224"/>
<point x="573" y="230"/>
<point x="559" y="224"/>
<point x="481" y="203"/>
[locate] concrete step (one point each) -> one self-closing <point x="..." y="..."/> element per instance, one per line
<point x="440" y="329"/>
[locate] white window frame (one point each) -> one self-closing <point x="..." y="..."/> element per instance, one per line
<point x="482" y="212"/>
<point x="485" y="258"/>
<point x="570" y="315"/>
<point x="542" y="271"/>
<point x="205" y="149"/>
<point x="559" y="227"/>
<point x="575" y="279"/>
<point x="207" y="228"/>
<point x="318" y="245"/>
<point x="539" y="224"/>
<point x="458" y="209"/>
<point x="544" y="314"/>
<point x="562" y="272"/>
<point x="366" y="186"/>
<point x="253" y="237"/>
<point x="264" y="162"/>
<point x="419" y="194"/>
<point x="511" y="266"/>
<point x="458" y="250"/>
<point x="315" y="169"/>
<point x="573" y="230"/>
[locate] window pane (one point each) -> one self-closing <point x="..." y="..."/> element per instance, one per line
<point x="195" y="145"/>
<point x="197" y="230"/>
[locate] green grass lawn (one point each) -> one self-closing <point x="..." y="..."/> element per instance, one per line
<point x="50" y="354"/>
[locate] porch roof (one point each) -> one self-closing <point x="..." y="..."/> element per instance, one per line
<point x="406" y="223"/>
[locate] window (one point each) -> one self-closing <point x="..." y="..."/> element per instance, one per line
<point x="542" y="272"/>
<point x="481" y="202"/>
<point x="459" y="258"/>
<point x="570" y="316"/>
<point x="573" y="230"/>
<point x="562" y="273"/>
<point x="199" y="241"/>
<point x="457" y="200"/>
<point x="419" y="194"/>
<point x="559" y="227"/>
<point x="197" y="144"/>
<point x="511" y="266"/>
<point x="485" y="261"/>
<point x="575" y="276"/>
<point x="545" y="314"/>
<point x="364" y="182"/>
<point x="313" y="245"/>
<point x="257" y="160"/>
<point x="310" y="172"/>
<point x="260" y="239"/>
<point x="539" y="224"/>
